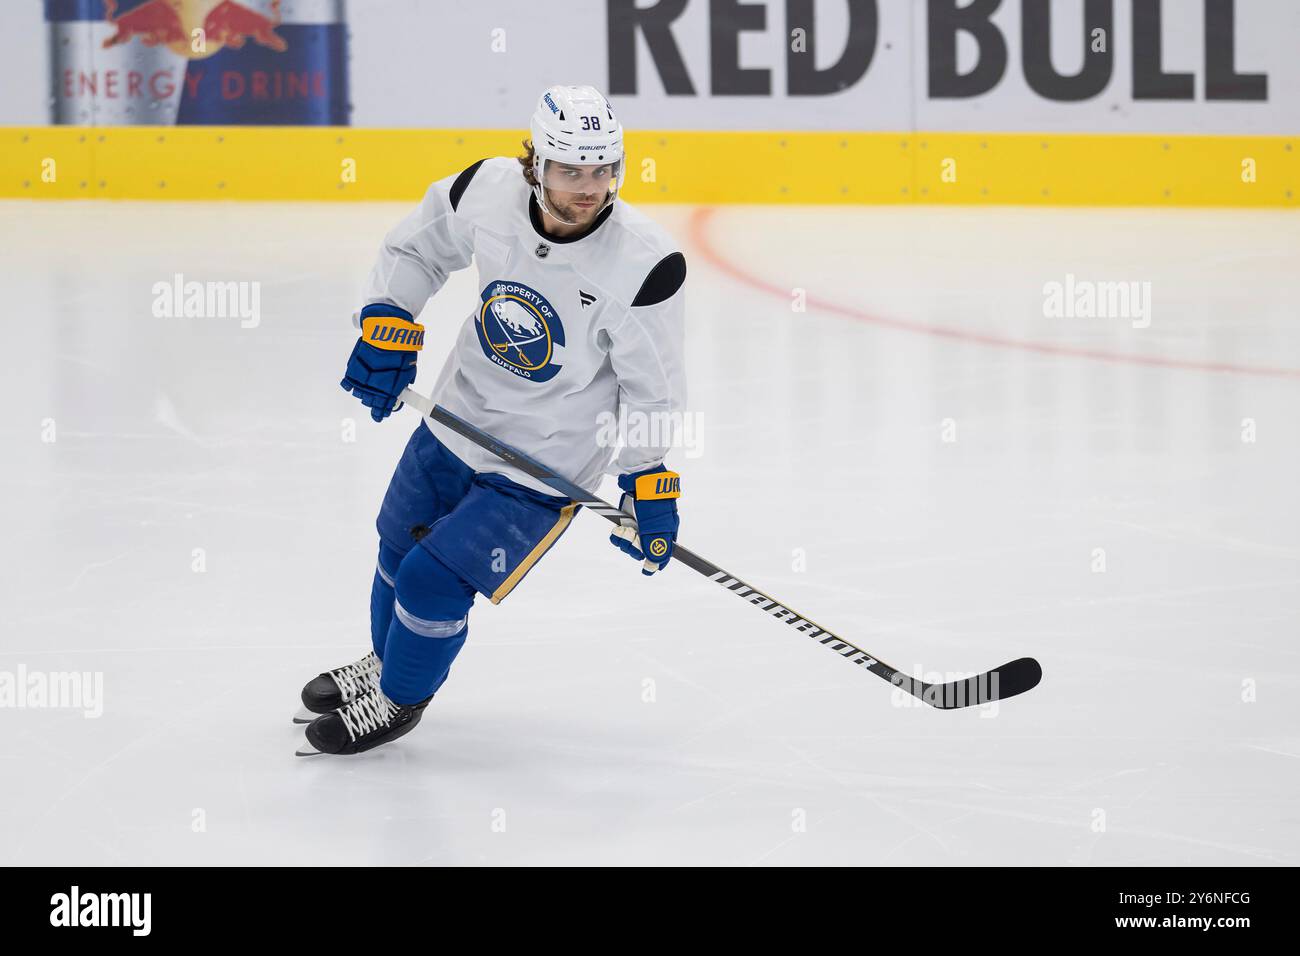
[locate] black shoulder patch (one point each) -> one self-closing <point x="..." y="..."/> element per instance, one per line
<point x="462" y="181"/>
<point x="664" y="279"/>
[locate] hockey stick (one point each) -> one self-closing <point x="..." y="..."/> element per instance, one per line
<point x="1010" y="679"/>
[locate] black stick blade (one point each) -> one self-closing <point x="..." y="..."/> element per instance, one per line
<point x="1010" y="679"/>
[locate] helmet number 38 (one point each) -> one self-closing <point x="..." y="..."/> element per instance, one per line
<point x="578" y="159"/>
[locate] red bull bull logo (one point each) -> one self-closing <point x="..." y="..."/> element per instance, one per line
<point x="193" y="28"/>
<point x="155" y="22"/>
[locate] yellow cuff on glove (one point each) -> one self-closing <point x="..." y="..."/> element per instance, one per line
<point x="662" y="484"/>
<point x="392" y="333"/>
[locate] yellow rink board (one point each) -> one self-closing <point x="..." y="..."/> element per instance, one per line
<point x="316" y="163"/>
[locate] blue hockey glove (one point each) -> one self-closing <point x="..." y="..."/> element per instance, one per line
<point x="383" y="360"/>
<point x="651" y="496"/>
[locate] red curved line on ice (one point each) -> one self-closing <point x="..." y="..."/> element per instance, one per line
<point x="699" y="237"/>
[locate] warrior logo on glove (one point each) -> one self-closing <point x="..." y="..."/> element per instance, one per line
<point x="392" y="333"/>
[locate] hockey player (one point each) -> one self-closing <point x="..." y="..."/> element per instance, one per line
<point x="580" y="309"/>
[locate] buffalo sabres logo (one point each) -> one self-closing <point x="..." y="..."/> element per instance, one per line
<point x="519" y="331"/>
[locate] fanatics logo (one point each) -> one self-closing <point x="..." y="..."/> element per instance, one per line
<point x="586" y="298"/>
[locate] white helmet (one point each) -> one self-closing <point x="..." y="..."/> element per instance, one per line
<point x="573" y="127"/>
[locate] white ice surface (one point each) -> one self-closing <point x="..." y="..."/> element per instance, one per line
<point x="822" y="432"/>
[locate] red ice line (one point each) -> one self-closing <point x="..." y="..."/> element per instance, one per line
<point x="698" y="232"/>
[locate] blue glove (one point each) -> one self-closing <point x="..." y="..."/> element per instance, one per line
<point x="651" y="496"/>
<point x="383" y="360"/>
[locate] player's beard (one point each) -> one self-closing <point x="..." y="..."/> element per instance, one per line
<point x="567" y="209"/>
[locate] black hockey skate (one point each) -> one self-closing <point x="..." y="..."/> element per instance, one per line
<point x="332" y="689"/>
<point x="370" y="720"/>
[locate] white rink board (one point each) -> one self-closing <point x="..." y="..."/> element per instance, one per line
<point x="482" y="65"/>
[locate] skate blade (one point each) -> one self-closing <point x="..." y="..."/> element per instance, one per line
<point x="305" y="749"/>
<point x="304" y="716"/>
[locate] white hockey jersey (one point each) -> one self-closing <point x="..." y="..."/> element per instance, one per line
<point x="564" y="330"/>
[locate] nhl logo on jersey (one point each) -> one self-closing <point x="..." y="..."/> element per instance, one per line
<point x="542" y="250"/>
<point x="519" y="331"/>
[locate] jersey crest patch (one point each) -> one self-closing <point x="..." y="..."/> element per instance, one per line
<point x="519" y="331"/>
